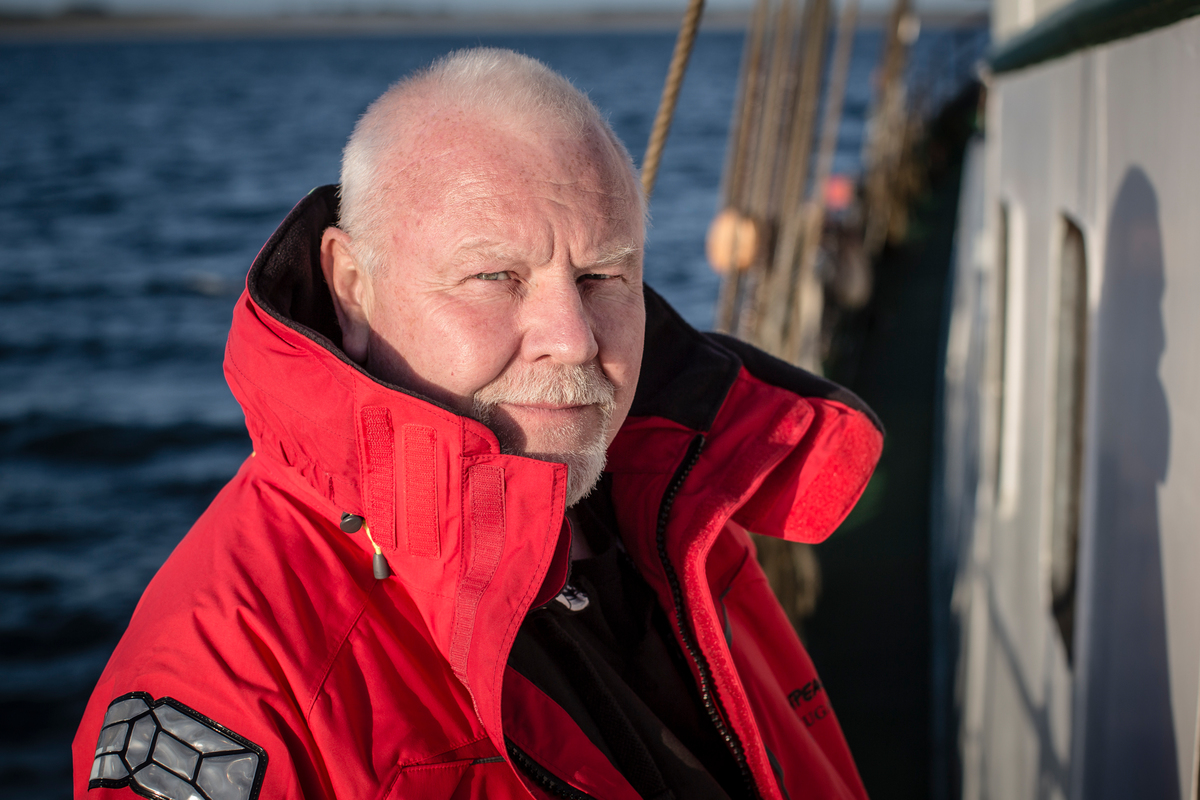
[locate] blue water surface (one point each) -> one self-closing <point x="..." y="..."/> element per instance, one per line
<point x="137" y="182"/>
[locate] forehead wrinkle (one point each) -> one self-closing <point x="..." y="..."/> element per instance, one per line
<point x="609" y="246"/>
<point x="488" y="248"/>
<point x="473" y="165"/>
<point x="432" y="172"/>
<point x="482" y="247"/>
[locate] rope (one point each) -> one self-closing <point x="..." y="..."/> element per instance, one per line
<point x="666" y="106"/>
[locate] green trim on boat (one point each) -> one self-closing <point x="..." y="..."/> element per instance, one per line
<point x="1087" y="23"/>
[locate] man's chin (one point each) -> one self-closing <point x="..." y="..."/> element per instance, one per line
<point x="583" y="470"/>
<point x="584" y="454"/>
<point x="576" y="436"/>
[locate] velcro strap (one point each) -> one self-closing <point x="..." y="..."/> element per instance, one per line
<point x="484" y="546"/>
<point x="420" y="491"/>
<point x="379" y="474"/>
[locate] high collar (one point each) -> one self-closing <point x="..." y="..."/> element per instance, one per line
<point x="470" y="533"/>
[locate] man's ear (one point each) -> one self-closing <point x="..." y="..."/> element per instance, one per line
<point x="351" y="289"/>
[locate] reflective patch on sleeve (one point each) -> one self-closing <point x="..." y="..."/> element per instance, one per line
<point x="166" y="751"/>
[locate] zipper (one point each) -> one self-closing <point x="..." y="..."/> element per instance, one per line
<point x="542" y="776"/>
<point x="712" y="705"/>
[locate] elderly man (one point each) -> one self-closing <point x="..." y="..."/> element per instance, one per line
<point x="492" y="539"/>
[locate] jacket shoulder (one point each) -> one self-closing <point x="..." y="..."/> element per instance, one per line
<point x="687" y="375"/>
<point x="268" y="621"/>
<point x="235" y="632"/>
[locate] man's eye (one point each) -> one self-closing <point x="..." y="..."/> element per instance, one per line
<point x="492" y="276"/>
<point x="596" y="276"/>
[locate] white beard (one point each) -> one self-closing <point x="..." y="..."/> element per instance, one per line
<point x="583" y="447"/>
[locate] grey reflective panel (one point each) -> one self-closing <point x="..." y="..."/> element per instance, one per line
<point x="228" y="777"/>
<point x="175" y="755"/>
<point x="159" y="780"/>
<point x="194" y="732"/>
<point x="109" y="768"/>
<point x="139" y="741"/>
<point x="112" y="739"/>
<point x="164" y="750"/>
<point x="123" y="710"/>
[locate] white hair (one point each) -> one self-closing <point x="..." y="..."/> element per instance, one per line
<point x="491" y="82"/>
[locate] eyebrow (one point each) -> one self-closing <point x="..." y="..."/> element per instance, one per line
<point x="614" y="254"/>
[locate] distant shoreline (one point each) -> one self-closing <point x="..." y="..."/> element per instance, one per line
<point x="87" y="27"/>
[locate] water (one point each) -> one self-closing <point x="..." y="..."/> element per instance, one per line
<point x="137" y="181"/>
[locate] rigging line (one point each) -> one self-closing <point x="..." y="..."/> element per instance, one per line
<point x="670" y="95"/>
<point x="803" y="344"/>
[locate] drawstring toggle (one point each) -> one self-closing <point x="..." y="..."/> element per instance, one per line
<point x="352" y="523"/>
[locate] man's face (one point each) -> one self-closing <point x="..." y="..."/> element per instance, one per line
<point x="512" y="289"/>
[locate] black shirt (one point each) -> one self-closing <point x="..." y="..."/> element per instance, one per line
<point x="604" y="651"/>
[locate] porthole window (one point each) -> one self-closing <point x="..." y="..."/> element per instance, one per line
<point x="1069" y="385"/>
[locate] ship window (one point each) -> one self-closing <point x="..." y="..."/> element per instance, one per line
<point x="1069" y="384"/>
<point x="1000" y="337"/>
<point x="1008" y="350"/>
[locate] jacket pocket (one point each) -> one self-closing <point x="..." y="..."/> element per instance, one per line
<point x="468" y="778"/>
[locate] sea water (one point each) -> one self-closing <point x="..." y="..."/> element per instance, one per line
<point x="137" y="181"/>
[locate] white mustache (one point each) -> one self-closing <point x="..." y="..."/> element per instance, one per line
<point x="565" y="385"/>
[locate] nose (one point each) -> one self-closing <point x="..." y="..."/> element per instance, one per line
<point x="557" y="324"/>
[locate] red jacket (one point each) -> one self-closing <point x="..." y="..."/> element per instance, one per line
<point x="266" y="645"/>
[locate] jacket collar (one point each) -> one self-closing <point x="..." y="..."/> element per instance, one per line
<point x="471" y="534"/>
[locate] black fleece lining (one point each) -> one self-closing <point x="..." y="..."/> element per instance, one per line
<point x="286" y="279"/>
<point x="685" y="374"/>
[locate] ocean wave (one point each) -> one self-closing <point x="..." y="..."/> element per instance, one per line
<point x="96" y="350"/>
<point x="62" y="438"/>
<point x="204" y="284"/>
